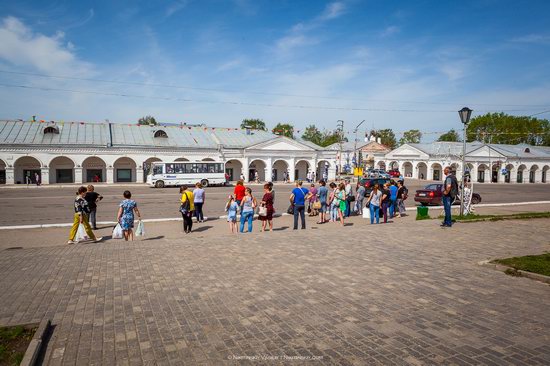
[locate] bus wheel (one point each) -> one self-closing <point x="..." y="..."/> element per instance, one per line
<point x="159" y="184"/>
<point x="204" y="183"/>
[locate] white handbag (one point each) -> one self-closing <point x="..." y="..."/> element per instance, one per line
<point x="262" y="211"/>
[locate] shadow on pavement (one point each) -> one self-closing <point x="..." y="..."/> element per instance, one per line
<point x="202" y="228"/>
<point x="155" y="238"/>
<point x="280" y="228"/>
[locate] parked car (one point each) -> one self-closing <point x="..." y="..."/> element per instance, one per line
<point x="370" y="182"/>
<point x="378" y="173"/>
<point x="433" y="193"/>
<point x="394" y="173"/>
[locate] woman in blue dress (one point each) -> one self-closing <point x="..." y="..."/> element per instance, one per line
<point x="126" y="215"/>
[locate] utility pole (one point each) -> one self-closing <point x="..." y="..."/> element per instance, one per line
<point x="340" y="129"/>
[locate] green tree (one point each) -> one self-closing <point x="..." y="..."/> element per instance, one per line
<point x="313" y="134"/>
<point x="387" y="137"/>
<point x="284" y="129"/>
<point x="253" y="124"/>
<point x="501" y="128"/>
<point x="147" y="120"/>
<point x="451" y="136"/>
<point x="410" y="137"/>
<point x="329" y="138"/>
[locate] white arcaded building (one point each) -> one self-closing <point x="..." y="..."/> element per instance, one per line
<point x="77" y="152"/>
<point x="486" y="162"/>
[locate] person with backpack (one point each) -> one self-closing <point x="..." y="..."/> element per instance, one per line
<point x="402" y="193"/>
<point x="187" y="208"/>
<point x="450" y="191"/>
<point x="298" y="199"/>
<point x="393" y="198"/>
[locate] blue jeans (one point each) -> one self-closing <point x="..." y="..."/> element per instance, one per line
<point x="299" y="210"/>
<point x="392" y="208"/>
<point x="374" y="212"/>
<point x="333" y="212"/>
<point x="447" y="207"/>
<point x="247" y="216"/>
<point x="348" y="208"/>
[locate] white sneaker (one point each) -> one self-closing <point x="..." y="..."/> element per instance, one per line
<point x="98" y="239"/>
<point x="70" y="242"/>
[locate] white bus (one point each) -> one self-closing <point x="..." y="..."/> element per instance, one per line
<point x="178" y="173"/>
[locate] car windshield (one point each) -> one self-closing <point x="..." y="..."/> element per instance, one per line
<point x="432" y="187"/>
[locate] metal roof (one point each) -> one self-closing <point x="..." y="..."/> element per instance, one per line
<point x="455" y="149"/>
<point x="97" y="134"/>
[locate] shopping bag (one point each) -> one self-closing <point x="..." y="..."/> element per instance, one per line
<point x="366" y="213"/>
<point x="117" y="232"/>
<point x="81" y="233"/>
<point x="262" y="211"/>
<point x="140" y="229"/>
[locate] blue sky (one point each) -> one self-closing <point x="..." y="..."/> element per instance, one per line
<point x="398" y="64"/>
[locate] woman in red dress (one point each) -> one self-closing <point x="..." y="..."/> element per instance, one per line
<point x="267" y="202"/>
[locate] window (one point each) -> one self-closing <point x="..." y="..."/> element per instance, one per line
<point x="161" y="133"/>
<point x="51" y="129"/>
<point x="157" y="169"/>
<point x="527" y="150"/>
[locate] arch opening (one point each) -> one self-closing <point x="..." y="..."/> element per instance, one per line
<point x="61" y="170"/>
<point x="94" y="170"/>
<point x="125" y="170"/>
<point x="256" y="171"/>
<point x="27" y="170"/>
<point x="422" y="171"/>
<point x="520" y="173"/>
<point x="322" y="170"/>
<point x="234" y="168"/>
<point x="279" y="171"/>
<point x="437" y="171"/>
<point x="301" y="168"/>
<point x="407" y="168"/>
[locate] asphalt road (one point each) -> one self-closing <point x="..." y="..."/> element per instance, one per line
<point x="49" y="205"/>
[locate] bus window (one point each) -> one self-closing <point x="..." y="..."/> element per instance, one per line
<point x="169" y="168"/>
<point x="157" y="169"/>
<point x="179" y="168"/>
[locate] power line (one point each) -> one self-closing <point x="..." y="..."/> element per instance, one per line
<point x="239" y="103"/>
<point x="259" y="92"/>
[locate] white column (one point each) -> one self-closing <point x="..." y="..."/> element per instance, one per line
<point x="139" y="174"/>
<point x="10" y="175"/>
<point x="513" y="175"/>
<point x="45" y="176"/>
<point x="331" y="172"/>
<point x="246" y="164"/>
<point x="487" y="176"/>
<point x="110" y="175"/>
<point x="268" y="170"/>
<point x="78" y="175"/>
<point x="292" y="168"/>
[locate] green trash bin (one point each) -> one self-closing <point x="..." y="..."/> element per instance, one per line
<point x="422" y="213"/>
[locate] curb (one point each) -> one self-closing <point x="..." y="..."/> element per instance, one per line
<point x="45" y="226"/>
<point x="37" y="342"/>
<point x="503" y="268"/>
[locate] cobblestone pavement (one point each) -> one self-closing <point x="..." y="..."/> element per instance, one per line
<point x="411" y="293"/>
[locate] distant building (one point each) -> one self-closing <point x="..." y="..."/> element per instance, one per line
<point x="485" y="162"/>
<point x="75" y="152"/>
<point x="366" y="153"/>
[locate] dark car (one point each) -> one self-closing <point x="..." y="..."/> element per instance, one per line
<point x="370" y="182"/>
<point x="432" y="194"/>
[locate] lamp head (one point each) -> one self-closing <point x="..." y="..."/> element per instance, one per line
<point x="465" y="114"/>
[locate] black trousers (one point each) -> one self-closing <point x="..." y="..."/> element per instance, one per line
<point x="299" y="211"/>
<point x="187" y="222"/>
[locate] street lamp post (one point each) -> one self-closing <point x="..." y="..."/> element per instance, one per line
<point x="355" y="155"/>
<point x="340" y="128"/>
<point x="464" y="114"/>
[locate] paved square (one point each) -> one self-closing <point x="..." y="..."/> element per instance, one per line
<point x="402" y="293"/>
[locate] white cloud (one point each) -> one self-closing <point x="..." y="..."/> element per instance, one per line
<point x="333" y="10"/>
<point x="175" y="7"/>
<point x="230" y="65"/>
<point x="290" y="42"/>
<point x="20" y="46"/>
<point x="389" y="31"/>
<point x="533" y="38"/>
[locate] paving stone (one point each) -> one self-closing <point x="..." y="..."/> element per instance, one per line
<point x="408" y="293"/>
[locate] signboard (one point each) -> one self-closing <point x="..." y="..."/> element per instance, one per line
<point x="358" y="172"/>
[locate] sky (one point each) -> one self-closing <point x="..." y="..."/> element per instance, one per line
<point x="395" y="64"/>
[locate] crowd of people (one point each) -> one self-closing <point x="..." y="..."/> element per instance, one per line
<point x="333" y="203"/>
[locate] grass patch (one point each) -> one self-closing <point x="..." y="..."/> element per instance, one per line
<point x="13" y="344"/>
<point x="516" y="216"/>
<point x="531" y="263"/>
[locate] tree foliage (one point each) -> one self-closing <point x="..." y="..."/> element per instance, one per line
<point x="284" y="129"/>
<point x="313" y="134"/>
<point x="411" y="137"/>
<point x="451" y="136"/>
<point x="501" y="128"/>
<point x="329" y="138"/>
<point x="387" y="137"/>
<point x="147" y="120"/>
<point x="253" y="124"/>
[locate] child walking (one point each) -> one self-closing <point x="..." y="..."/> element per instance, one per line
<point x="231" y="207"/>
